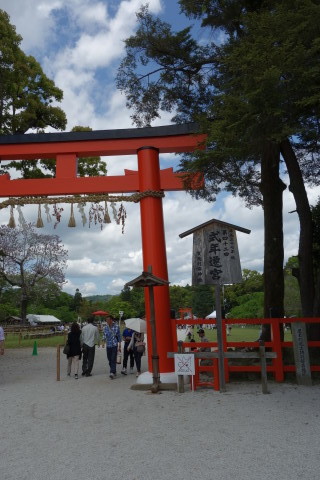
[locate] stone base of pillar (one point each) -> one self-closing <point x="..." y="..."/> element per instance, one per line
<point x="170" y="377"/>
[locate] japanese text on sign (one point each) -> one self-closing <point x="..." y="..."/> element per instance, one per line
<point x="215" y="256"/>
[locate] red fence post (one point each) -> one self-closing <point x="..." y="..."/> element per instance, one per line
<point x="224" y="343"/>
<point x="276" y="339"/>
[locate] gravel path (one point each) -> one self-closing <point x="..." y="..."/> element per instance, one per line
<point x="98" y="428"/>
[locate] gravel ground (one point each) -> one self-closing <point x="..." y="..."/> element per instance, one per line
<point x="98" y="428"/>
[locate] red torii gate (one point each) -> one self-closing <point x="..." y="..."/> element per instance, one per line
<point x="146" y="143"/>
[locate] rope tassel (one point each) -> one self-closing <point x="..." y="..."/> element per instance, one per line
<point x="47" y="210"/>
<point x="82" y="213"/>
<point x="115" y="213"/>
<point x="72" y="221"/>
<point x="39" y="223"/>
<point x="22" y="221"/>
<point x="107" y="218"/>
<point x="12" y="223"/>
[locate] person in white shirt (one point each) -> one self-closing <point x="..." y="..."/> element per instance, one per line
<point x="89" y="338"/>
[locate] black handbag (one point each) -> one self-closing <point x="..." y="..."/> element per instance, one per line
<point x="66" y="349"/>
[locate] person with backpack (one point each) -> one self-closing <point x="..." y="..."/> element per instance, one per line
<point x="138" y="346"/>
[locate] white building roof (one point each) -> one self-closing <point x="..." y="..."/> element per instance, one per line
<point x="42" y="318"/>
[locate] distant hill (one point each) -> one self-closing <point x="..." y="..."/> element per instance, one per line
<point x="99" y="298"/>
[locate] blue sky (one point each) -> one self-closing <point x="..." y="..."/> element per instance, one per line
<point x="79" y="44"/>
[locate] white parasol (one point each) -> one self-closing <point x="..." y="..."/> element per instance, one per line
<point x="137" y="324"/>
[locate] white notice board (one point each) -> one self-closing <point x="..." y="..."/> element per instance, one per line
<point x="184" y="364"/>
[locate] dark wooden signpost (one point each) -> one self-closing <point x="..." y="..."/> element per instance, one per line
<point x="216" y="262"/>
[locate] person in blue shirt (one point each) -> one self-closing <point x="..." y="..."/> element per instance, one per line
<point x="112" y="336"/>
<point x="126" y="337"/>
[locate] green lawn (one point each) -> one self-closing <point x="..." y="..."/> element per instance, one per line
<point x="12" y="341"/>
<point x="238" y="334"/>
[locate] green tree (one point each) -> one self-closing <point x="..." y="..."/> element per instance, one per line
<point x="137" y="301"/>
<point x="202" y="300"/>
<point x="125" y="294"/>
<point x="252" y="283"/>
<point x="26" y="93"/>
<point x="292" y="303"/>
<point x="180" y="297"/>
<point x="7" y="310"/>
<point x="253" y="95"/>
<point x="86" y="309"/>
<point x="249" y="306"/>
<point x="77" y="300"/>
<point x="116" y="305"/>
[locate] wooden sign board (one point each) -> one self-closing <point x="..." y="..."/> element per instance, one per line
<point x="215" y="255"/>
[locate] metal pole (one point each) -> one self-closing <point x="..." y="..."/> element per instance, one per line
<point x="58" y="363"/>
<point x="264" y="378"/>
<point x="180" y="377"/>
<point x="222" y="383"/>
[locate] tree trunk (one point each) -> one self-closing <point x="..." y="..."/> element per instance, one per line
<point x="305" y="252"/>
<point x="316" y="308"/>
<point x="298" y="190"/>
<point x="272" y="189"/>
<point x="23" y="306"/>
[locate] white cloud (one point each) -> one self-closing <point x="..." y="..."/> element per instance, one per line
<point x="33" y="21"/>
<point x="90" y="18"/>
<point x="39" y="22"/>
<point x="86" y="266"/>
<point x="117" y="284"/>
<point x="86" y="288"/>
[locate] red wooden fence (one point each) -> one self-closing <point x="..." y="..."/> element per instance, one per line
<point x="276" y="365"/>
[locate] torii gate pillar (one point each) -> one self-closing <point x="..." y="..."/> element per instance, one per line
<point x="154" y="253"/>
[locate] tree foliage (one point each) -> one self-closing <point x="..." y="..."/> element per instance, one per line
<point x="180" y="297"/>
<point x="249" y="306"/>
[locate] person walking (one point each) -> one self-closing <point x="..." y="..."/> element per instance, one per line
<point x="112" y="336"/>
<point x="89" y="338"/>
<point x="126" y="337"/>
<point x="74" y="355"/>
<point x="203" y="339"/>
<point x="138" y="346"/>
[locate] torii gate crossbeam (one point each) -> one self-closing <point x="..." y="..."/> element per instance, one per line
<point x="146" y="143"/>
